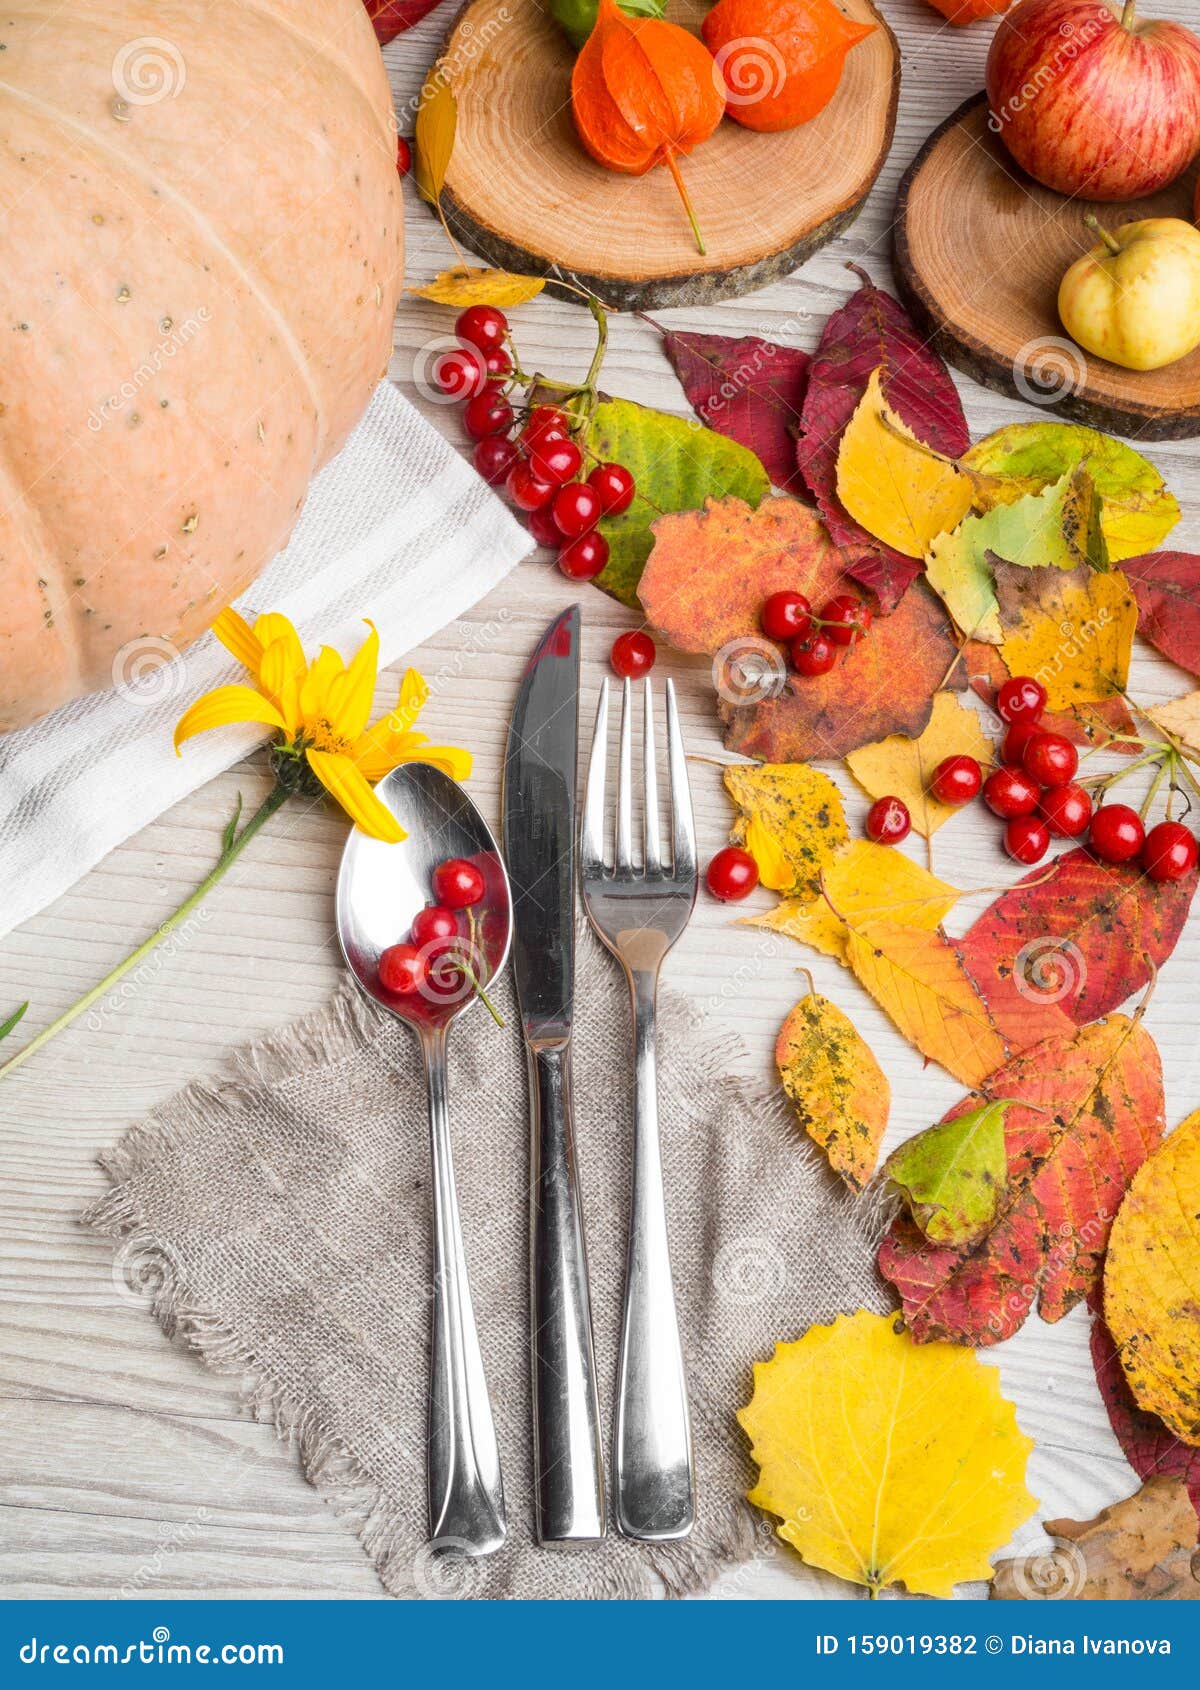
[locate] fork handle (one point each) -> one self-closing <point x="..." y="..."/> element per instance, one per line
<point x="568" y="1466"/>
<point x="654" y="1476"/>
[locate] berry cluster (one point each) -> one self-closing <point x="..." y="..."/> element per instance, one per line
<point x="438" y="959"/>
<point x="813" y="641"/>
<point x="534" y="451"/>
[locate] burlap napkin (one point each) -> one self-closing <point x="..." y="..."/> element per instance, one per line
<point x="282" y="1219"/>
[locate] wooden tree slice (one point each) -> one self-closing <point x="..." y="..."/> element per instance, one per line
<point x="980" y="250"/>
<point x="523" y="194"/>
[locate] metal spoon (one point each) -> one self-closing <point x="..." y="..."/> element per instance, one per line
<point x="380" y="889"/>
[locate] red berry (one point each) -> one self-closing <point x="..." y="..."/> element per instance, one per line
<point x="555" y="459"/>
<point x="846" y="619"/>
<point x="576" y="509"/>
<point x="403" y="156"/>
<point x="544" y="529"/>
<point x="813" y="655"/>
<point x="633" y="654"/>
<point x="457" y="883"/>
<point x="487" y="413"/>
<point x="956" y="780"/>
<point x="460" y="372"/>
<point x="615" y="486"/>
<point x="583" y="558"/>
<point x="1066" y="810"/>
<point x="785" y="616"/>
<point x="1050" y="759"/>
<point x="1021" y="699"/>
<point x="525" y="490"/>
<point x="1117" y="834"/>
<point x="498" y="362"/>
<point x="402" y="969"/>
<point x="434" y="925"/>
<point x="546" y="419"/>
<point x="732" y="874"/>
<point x="1015" y="741"/>
<point x="1027" y="839"/>
<point x="1010" y="792"/>
<point x="483" y="326"/>
<point x="1170" y="851"/>
<point x="888" y="821"/>
<point x="494" y="457"/>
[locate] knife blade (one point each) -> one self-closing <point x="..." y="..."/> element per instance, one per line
<point x="540" y="772"/>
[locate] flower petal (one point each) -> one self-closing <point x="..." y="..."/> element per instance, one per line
<point x="340" y="778"/>
<point x="239" y="639"/>
<point x="315" y="690"/>
<point x="350" y="693"/>
<point x="273" y="626"/>
<point x="452" y="760"/>
<point x="224" y="705"/>
<point x="414" y="695"/>
<point x="279" y="677"/>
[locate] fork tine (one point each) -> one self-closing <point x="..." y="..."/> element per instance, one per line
<point x="591" y="843"/>
<point x="624" y="848"/>
<point x="683" y="830"/>
<point x="651" y="843"/>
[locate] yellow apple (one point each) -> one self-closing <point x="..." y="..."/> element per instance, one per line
<point x="1135" y="298"/>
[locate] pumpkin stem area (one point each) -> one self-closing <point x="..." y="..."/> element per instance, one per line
<point x="672" y="164"/>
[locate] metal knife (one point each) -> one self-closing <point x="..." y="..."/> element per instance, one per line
<point x="539" y="850"/>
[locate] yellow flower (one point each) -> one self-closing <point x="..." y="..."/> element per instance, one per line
<point x="321" y="710"/>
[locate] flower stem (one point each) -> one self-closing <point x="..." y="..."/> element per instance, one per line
<point x="672" y="165"/>
<point x="232" y="850"/>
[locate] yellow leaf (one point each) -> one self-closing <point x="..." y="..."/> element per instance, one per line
<point x="791" y="823"/>
<point x="866" y="883"/>
<point x="900" y="491"/>
<point x="887" y="1462"/>
<point x="1181" y="719"/>
<point x="1071" y="629"/>
<point x="839" y="1092"/>
<point x="434" y="132"/>
<point x="1152" y="1282"/>
<point x="467" y="285"/>
<point x="901" y="767"/>
<point x="917" y="978"/>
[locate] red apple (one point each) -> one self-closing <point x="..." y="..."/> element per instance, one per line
<point x="1095" y="102"/>
<point x="392" y="16"/>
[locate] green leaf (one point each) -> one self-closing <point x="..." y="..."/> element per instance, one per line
<point x="577" y="18"/>
<point x="1137" y="511"/>
<point x="953" y="1176"/>
<point x="6" y="1027"/>
<point x="677" y="464"/>
<point x="434" y="132"/>
<point x="1059" y="526"/>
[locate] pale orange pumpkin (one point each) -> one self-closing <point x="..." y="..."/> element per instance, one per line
<point x="202" y="257"/>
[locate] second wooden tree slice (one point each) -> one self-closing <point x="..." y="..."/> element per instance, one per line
<point x="980" y="252"/>
<point x="523" y="194"/>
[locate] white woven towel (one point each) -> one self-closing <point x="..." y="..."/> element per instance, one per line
<point x="398" y="528"/>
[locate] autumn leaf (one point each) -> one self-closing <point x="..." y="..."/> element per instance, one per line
<point x="1152" y="1283"/>
<point x="1142" y="1549"/>
<point x="466" y="285"/>
<point x="886" y="1463"/>
<point x="1085" y="724"/>
<point x="749" y="389"/>
<point x="901" y="767"/>
<point x="953" y="1176"/>
<point x="1181" y="719"/>
<point x="1072" y="629"/>
<point x="1148" y="1445"/>
<point x="1166" y="586"/>
<point x="900" y="493"/>
<point x="873" y="332"/>
<point x="867" y="883"/>
<point x="1136" y="510"/>
<point x="434" y="133"/>
<point x="676" y="466"/>
<point x="791" y="822"/>
<point x="1084" y="1112"/>
<point x="838" y="1090"/>
<point x="1057" y="527"/>
<point x="1080" y="936"/>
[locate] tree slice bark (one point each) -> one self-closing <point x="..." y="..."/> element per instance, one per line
<point x="522" y="193"/>
<point x="980" y="250"/>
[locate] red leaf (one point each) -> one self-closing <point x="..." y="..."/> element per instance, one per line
<point x="392" y="17"/>
<point x="1077" y="934"/>
<point x="1150" y="1446"/>
<point x="748" y="389"/>
<point x="1166" y="586"/>
<point x="872" y="330"/>
<point x="1087" y="1112"/>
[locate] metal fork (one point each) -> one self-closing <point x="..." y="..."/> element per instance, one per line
<point x="640" y="912"/>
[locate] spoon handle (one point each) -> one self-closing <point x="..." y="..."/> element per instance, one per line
<point x="466" y="1492"/>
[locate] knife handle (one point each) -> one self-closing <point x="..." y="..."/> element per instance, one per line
<point x="568" y="1467"/>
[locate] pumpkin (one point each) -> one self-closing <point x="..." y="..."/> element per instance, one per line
<point x="203" y="260"/>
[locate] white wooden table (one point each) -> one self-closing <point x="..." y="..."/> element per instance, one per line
<point x="124" y="1465"/>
